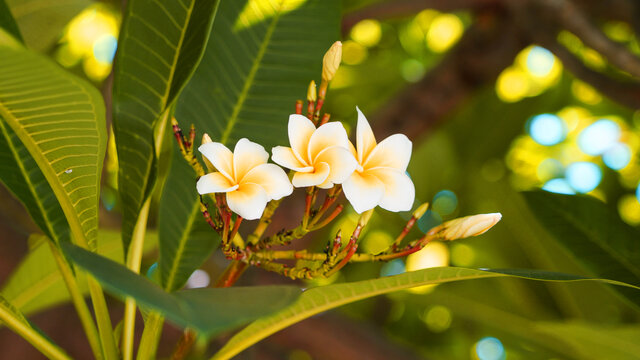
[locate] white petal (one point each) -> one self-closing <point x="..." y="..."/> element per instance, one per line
<point x="214" y="183"/>
<point x="248" y="201"/>
<point x="341" y="163"/>
<point x="363" y="191"/>
<point x="272" y="178"/>
<point x="300" y="131"/>
<point x="393" y="152"/>
<point x="399" y="192"/>
<point x="219" y="156"/>
<point x="327" y="135"/>
<point x="318" y="176"/>
<point x="246" y="156"/>
<point x="285" y="157"/>
<point x="365" y="140"/>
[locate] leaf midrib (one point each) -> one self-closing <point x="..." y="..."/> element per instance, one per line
<point x="251" y="76"/>
<point x="177" y="54"/>
<point x="181" y="247"/>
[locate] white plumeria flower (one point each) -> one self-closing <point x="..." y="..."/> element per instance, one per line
<point x="380" y="177"/>
<point x="250" y="183"/>
<point x="320" y="157"/>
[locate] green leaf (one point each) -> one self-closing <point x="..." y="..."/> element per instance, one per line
<point x="209" y="311"/>
<point x="246" y="85"/>
<point x="60" y="121"/>
<point x="160" y="45"/>
<point x="36" y="284"/>
<point x="591" y="341"/>
<point x="42" y="22"/>
<point x="7" y="22"/>
<point x="186" y="240"/>
<point x="595" y="236"/>
<point x="319" y="299"/>
<point x="260" y="59"/>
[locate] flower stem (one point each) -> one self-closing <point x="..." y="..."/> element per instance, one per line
<point x="150" y="336"/>
<point x="84" y="314"/>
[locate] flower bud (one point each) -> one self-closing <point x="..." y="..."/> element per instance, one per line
<point x="419" y="212"/>
<point x="207" y="163"/>
<point x="365" y="217"/>
<point x="311" y="92"/>
<point x="466" y="226"/>
<point x="331" y="61"/>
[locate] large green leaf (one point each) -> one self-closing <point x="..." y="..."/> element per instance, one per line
<point x="7" y="22"/>
<point x="186" y="240"/>
<point x="160" y="45"/>
<point x="59" y="119"/>
<point x="593" y="234"/>
<point x="316" y="300"/>
<point x="209" y="311"/>
<point x="36" y="284"/>
<point x="41" y="22"/>
<point x="246" y="85"/>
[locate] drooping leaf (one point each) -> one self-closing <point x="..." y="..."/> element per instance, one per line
<point x="591" y="341"/>
<point x="316" y="300"/>
<point x="60" y="120"/>
<point x="36" y="284"/>
<point x="7" y="22"/>
<point x="160" y="45"/>
<point x="246" y="85"/>
<point x="593" y="234"/>
<point x="186" y="240"/>
<point x="209" y="311"/>
<point x="41" y="22"/>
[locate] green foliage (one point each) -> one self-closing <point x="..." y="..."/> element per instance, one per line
<point x="7" y="22"/>
<point x="209" y="311"/>
<point x="36" y="284"/>
<point x="149" y="75"/>
<point x="59" y="119"/>
<point x="316" y="300"/>
<point x="593" y="234"/>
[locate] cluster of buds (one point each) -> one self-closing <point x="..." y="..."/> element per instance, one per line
<point x="243" y="185"/>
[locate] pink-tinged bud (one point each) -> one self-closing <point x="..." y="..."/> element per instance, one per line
<point x="331" y="61"/>
<point x="466" y="226"/>
<point x="419" y="212"/>
<point x="311" y="92"/>
<point x="207" y="163"/>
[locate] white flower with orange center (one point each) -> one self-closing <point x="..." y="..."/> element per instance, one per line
<point x="244" y="175"/>
<point x="320" y="157"/>
<point x="380" y="177"/>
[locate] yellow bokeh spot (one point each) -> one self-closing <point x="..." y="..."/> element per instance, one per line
<point x="512" y="84"/>
<point x="572" y="42"/>
<point x="435" y="254"/>
<point x="585" y="93"/>
<point x="573" y="116"/>
<point x="618" y="31"/>
<point x="437" y="318"/>
<point x="376" y="242"/>
<point x="96" y="70"/>
<point x="345" y="77"/>
<point x="593" y="59"/>
<point x="629" y="209"/>
<point x="462" y="255"/>
<point x="257" y="11"/>
<point x="367" y="32"/>
<point x="353" y="53"/>
<point x="444" y="32"/>
<point x="425" y="18"/>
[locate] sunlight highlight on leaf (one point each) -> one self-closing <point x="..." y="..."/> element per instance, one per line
<point x="256" y="11"/>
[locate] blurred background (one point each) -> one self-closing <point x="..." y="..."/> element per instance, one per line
<point x="498" y="96"/>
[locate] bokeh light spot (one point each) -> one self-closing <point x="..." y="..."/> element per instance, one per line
<point x="412" y="70"/>
<point x="353" y="53"/>
<point x="558" y="186"/>
<point x="490" y="348"/>
<point x="462" y="254"/>
<point x="599" y="137"/>
<point x="512" y="84"/>
<point x="445" y="30"/>
<point x="617" y="157"/>
<point x="376" y="242"/>
<point x="445" y="202"/>
<point x="540" y="61"/>
<point x="583" y="176"/>
<point x="549" y="169"/>
<point x="429" y="220"/>
<point x="198" y="279"/>
<point x="394" y="267"/>
<point x="104" y="48"/>
<point x="547" y="129"/>
<point x="434" y="254"/>
<point x="629" y="209"/>
<point x="367" y="32"/>
<point x="585" y="93"/>
<point x="437" y="318"/>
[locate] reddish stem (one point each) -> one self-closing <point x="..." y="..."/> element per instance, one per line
<point x="299" y="107"/>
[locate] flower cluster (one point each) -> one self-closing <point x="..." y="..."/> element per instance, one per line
<point x="371" y="174"/>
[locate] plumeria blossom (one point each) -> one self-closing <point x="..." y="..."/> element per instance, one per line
<point x="380" y="177"/>
<point x="320" y="157"/>
<point x="244" y="175"/>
